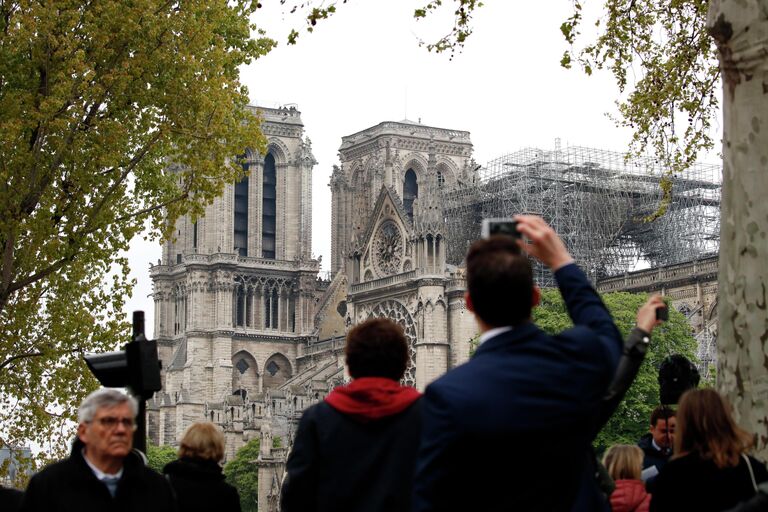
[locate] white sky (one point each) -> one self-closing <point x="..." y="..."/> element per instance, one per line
<point x="364" y="66"/>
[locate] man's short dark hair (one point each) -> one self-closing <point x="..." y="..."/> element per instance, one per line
<point x="662" y="412"/>
<point x="499" y="281"/>
<point x="376" y="348"/>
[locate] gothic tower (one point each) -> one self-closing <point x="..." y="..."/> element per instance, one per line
<point x="235" y="291"/>
<point x="388" y="240"/>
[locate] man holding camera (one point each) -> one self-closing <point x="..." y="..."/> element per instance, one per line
<point x="102" y="472"/>
<point x="527" y="401"/>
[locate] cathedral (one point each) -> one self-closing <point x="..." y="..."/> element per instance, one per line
<point x="249" y="335"/>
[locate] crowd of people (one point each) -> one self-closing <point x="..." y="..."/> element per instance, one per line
<point x="103" y="472"/>
<point x="511" y="429"/>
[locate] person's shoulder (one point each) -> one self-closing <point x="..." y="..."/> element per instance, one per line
<point x="456" y="377"/>
<point x="645" y="441"/>
<point x="759" y="469"/>
<point x="10" y="497"/>
<point x="318" y="410"/>
<point x="56" y="469"/>
<point x="151" y="474"/>
<point x="133" y="465"/>
<point x="686" y="465"/>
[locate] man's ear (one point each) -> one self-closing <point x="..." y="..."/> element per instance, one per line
<point x="535" y="296"/>
<point x="82" y="432"/>
<point x="468" y="302"/>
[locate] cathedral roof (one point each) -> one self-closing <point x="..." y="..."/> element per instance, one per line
<point x="179" y="357"/>
<point x="405" y="128"/>
<point x="285" y="114"/>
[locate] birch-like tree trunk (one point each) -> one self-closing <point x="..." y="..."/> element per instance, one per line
<point x="740" y="28"/>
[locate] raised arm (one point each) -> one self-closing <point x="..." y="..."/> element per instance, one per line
<point x="632" y="357"/>
<point x="584" y="304"/>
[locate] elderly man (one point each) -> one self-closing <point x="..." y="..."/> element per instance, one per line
<point x="101" y="473"/>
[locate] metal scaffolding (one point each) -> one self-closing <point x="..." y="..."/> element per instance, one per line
<point x="597" y="201"/>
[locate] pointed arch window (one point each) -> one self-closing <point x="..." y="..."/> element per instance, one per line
<point x="269" y="208"/>
<point x="271" y="308"/>
<point x="241" y="217"/>
<point x="410" y="191"/>
<point x="239" y="307"/>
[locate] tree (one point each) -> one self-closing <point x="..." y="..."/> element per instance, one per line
<point x="159" y="456"/>
<point x="631" y="419"/>
<point x="671" y="106"/>
<point x="96" y="98"/>
<point x="242" y="473"/>
<point x="676" y="44"/>
<point x="452" y="41"/>
<point x="739" y="31"/>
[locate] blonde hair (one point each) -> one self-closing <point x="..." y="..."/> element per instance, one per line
<point x="624" y="462"/>
<point x="202" y="440"/>
<point x="705" y="426"/>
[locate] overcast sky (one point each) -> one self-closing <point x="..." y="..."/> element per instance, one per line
<point x="364" y="66"/>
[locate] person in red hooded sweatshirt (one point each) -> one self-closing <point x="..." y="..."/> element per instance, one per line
<point x="356" y="450"/>
<point x="625" y="464"/>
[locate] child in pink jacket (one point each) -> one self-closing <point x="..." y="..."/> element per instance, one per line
<point x="625" y="463"/>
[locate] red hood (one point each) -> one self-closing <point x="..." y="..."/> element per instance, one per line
<point x="630" y="496"/>
<point x="371" y="398"/>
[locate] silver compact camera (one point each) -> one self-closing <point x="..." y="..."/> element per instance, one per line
<point x="500" y="226"/>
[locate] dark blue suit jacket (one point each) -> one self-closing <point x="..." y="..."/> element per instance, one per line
<point x="526" y="402"/>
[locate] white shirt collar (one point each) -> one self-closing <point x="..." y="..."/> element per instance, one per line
<point x="99" y="473"/>
<point x="493" y="332"/>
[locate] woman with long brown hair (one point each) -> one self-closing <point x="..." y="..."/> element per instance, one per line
<point x="710" y="469"/>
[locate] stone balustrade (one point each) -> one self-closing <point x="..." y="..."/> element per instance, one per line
<point x="655" y="278"/>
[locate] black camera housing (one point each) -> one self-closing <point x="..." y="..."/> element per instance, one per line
<point x="662" y="313"/>
<point x="500" y="226"/>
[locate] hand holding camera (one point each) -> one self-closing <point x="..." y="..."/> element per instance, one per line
<point x="652" y="313"/>
<point x="544" y="244"/>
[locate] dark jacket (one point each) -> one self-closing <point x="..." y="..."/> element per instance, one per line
<point x="10" y="499"/>
<point x="651" y="455"/>
<point x="692" y="483"/>
<point x="70" y="485"/>
<point x="758" y="503"/>
<point x="342" y="462"/>
<point x="524" y="400"/>
<point x="200" y="487"/>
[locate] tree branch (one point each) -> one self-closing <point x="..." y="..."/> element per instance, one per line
<point x="147" y="210"/>
<point x="19" y="356"/>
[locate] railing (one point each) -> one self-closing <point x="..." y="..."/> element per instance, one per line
<point x="324" y="346"/>
<point x="650" y="277"/>
<point x="247" y="261"/>
<point x="384" y="281"/>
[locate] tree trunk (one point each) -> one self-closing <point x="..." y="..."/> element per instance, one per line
<point x="740" y="28"/>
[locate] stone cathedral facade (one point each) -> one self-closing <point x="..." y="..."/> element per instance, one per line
<point x="388" y="240"/>
<point x="235" y="293"/>
<point x="249" y="336"/>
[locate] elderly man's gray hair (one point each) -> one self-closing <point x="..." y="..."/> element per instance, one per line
<point x="104" y="397"/>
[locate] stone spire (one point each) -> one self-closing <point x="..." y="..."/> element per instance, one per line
<point x="427" y="209"/>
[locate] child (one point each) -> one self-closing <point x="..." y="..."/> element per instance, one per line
<point x="624" y="464"/>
